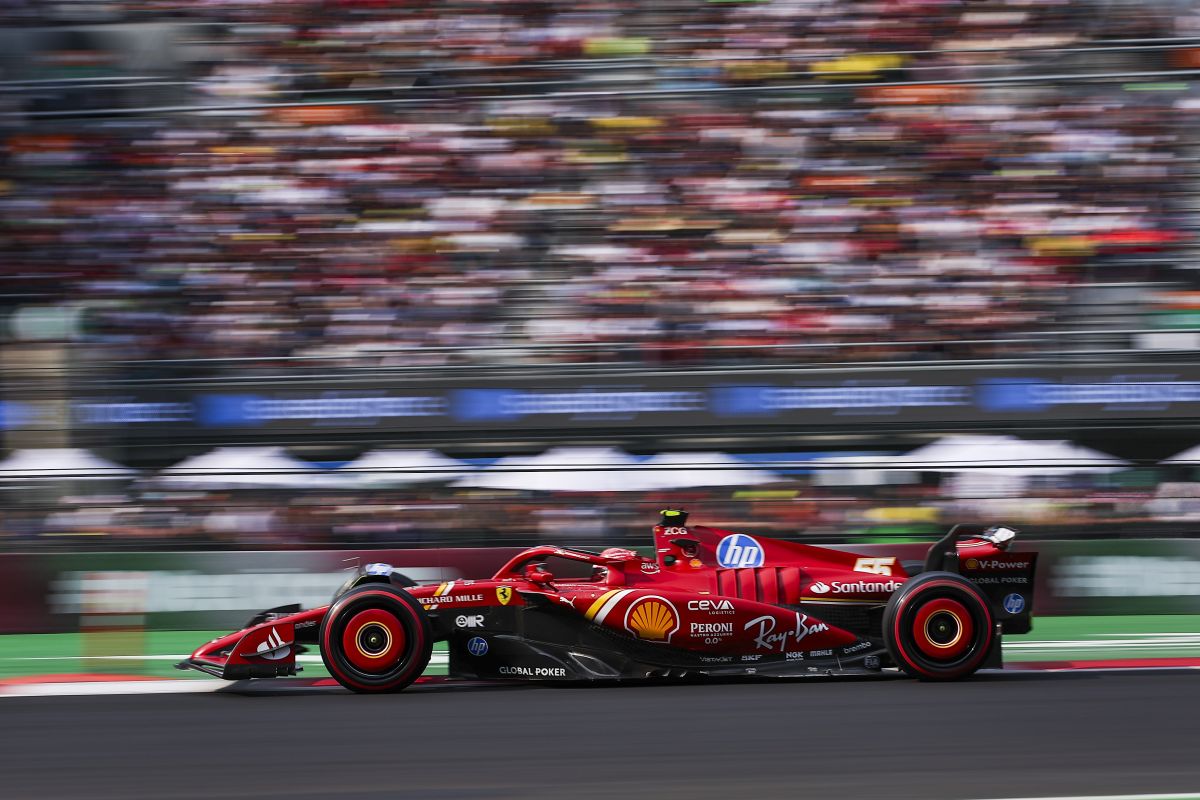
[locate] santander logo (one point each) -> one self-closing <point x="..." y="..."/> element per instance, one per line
<point x="855" y="587"/>
<point x="274" y="648"/>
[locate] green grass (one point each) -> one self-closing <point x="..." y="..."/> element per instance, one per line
<point x="144" y="653"/>
<point x="123" y="653"/>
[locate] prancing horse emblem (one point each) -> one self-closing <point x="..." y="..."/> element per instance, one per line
<point x="504" y="594"/>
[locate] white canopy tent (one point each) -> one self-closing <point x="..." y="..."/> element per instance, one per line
<point x="383" y="468"/>
<point x="682" y="470"/>
<point x="1006" y="455"/>
<point x="63" y="463"/>
<point x="562" y="469"/>
<point x="978" y="464"/>
<point x="1191" y="456"/>
<point x="859" y="470"/>
<point x="245" y="468"/>
<point x="983" y="466"/>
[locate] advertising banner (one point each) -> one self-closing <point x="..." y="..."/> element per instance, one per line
<point x="808" y="399"/>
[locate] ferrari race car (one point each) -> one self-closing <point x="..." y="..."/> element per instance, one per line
<point x="711" y="603"/>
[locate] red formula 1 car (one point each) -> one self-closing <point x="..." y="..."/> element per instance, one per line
<point x="712" y="603"/>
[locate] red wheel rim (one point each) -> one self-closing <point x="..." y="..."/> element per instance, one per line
<point x="373" y="641"/>
<point x="943" y="629"/>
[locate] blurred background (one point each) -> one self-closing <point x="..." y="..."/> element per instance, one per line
<point x="316" y="281"/>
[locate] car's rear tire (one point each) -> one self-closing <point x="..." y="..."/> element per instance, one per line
<point x="938" y="627"/>
<point x="376" y="638"/>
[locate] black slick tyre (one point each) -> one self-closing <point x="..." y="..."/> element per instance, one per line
<point x="938" y="627"/>
<point x="375" y="638"/>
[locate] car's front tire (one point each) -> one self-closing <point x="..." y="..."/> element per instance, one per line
<point x="938" y="627"/>
<point x="376" y="638"/>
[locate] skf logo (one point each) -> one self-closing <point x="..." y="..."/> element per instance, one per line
<point x="739" y="551"/>
<point x="653" y="619"/>
<point x="469" y="620"/>
<point x="875" y="566"/>
<point x="504" y="594"/>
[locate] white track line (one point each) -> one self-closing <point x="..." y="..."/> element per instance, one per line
<point x="1185" y="796"/>
<point x="205" y="685"/>
<point x="183" y="686"/>
<point x="437" y="659"/>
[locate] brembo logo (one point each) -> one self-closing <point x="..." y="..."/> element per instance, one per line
<point x="855" y="587"/>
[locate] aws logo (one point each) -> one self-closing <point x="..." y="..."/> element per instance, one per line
<point x="652" y="618"/>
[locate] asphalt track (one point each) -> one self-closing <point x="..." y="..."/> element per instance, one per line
<point x="998" y="735"/>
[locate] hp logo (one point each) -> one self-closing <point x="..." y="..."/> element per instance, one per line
<point x="477" y="646"/>
<point x="1014" y="604"/>
<point x="738" y="551"/>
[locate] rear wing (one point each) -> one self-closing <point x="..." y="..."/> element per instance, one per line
<point x="980" y="554"/>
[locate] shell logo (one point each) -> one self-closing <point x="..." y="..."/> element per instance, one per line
<point x="652" y="618"/>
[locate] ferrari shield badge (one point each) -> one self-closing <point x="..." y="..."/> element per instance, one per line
<point x="504" y="594"/>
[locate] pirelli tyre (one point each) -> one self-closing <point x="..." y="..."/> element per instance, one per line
<point x="938" y="627"/>
<point x="375" y="638"/>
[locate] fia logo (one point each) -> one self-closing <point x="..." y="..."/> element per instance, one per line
<point x="739" y="551"/>
<point x="477" y="646"/>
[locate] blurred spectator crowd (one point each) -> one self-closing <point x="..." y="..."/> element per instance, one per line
<point x="504" y="194"/>
<point x="444" y="517"/>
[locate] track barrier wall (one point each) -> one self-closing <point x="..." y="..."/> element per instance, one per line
<point x="56" y="593"/>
